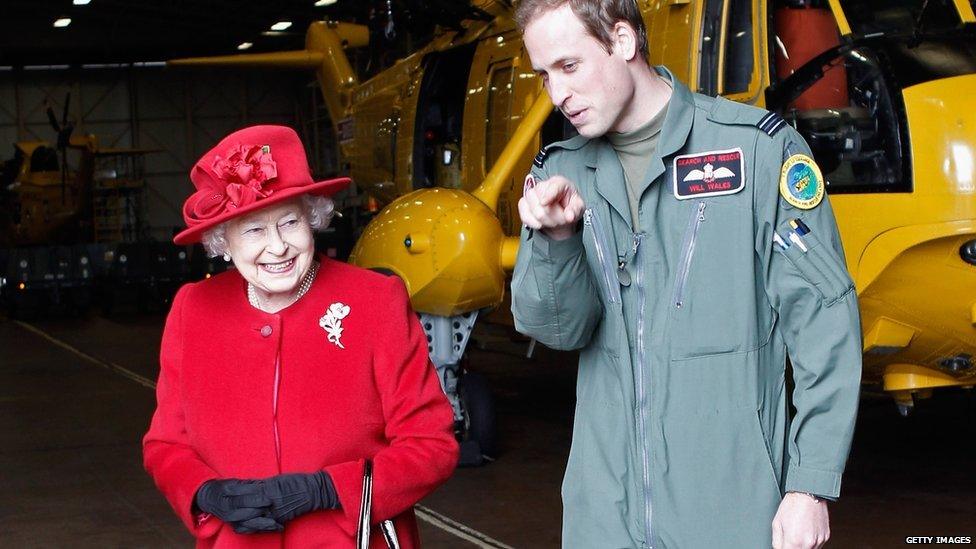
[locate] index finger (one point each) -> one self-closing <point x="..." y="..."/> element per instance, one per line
<point x="552" y="188"/>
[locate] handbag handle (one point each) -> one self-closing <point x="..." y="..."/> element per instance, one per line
<point x="365" y="509"/>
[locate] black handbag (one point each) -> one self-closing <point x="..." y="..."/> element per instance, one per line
<point x="363" y="529"/>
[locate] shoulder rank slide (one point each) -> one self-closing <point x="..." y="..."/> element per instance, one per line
<point x="541" y="157"/>
<point x="771" y="123"/>
<point x="801" y="183"/>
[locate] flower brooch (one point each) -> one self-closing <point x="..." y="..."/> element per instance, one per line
<point x="332" y="322"/>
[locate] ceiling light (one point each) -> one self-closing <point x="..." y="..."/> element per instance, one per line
<point x="81" y="2"/>
<point x="281" y="25"/>
<point x="62" y="22"/>
<point x="322" y="3"/>
<point x="244" y="45"/>
<point x="46" y="67"/>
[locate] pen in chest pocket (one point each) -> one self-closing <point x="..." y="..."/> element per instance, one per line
<point x="783" y="245"/>
<point x="799" y="227"/>
<point x="795" y="238"/>
<point x="799" y="230"/>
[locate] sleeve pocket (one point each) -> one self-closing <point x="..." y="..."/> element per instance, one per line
<point x="820" y="268"/>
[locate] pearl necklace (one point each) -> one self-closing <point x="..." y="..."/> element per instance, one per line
<point x="257" y="302"/>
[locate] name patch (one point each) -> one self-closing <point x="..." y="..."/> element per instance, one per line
<point x="711" y="173"/>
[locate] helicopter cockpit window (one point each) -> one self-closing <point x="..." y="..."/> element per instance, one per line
<point x="849" y="111"/>
<point x="44" y="159"/>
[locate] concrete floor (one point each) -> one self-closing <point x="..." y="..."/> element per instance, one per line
<point x="71" y="473"/>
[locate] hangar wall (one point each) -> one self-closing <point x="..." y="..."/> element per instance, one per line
<point x="179" y="113"/>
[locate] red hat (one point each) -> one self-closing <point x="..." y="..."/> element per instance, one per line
<point x="249" y="169"/>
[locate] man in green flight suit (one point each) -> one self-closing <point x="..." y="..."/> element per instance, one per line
<point x="684" y="245"/>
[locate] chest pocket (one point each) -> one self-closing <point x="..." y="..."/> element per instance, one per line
<point x="713" y="302"/>
<point x="601" y="255"/>
<point x="601" y="259"/>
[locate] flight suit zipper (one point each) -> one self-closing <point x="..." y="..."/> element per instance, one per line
<point x="691" y="237"/>
<point x="641" y="393"/>
<point x="592" y="220"/>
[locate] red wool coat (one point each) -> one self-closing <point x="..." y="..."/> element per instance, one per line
<point x="377" y="398"/>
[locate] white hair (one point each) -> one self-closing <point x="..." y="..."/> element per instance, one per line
<point x="318" y="210"/>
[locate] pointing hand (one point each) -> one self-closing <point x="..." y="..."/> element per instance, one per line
<point x="553" y="205"/>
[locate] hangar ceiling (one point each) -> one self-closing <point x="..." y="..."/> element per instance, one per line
<point x="121" y="31"/>
<point x="118" y="31"/>
<point x="127" y="31"/>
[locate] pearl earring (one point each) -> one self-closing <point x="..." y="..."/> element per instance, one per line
<point x="227" y="257"/>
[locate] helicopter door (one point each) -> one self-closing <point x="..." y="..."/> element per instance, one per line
<point x="489" y="108"/>
<point x="499" y="101"/>
<point x="440" y="112"/>
<point x="846" y="109"/>
<point x="501" y="89"/>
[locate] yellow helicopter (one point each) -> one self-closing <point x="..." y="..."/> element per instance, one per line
<point x="882" y="91"/>
<point x="45" y="201"/>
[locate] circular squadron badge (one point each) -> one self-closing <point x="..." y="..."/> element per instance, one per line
<point x="801" y="183"/>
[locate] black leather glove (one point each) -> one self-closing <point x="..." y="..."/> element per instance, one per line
<point x="295" y="494"/>
<point x="240" y="503"/>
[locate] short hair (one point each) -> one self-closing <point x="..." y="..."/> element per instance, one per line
<point x="597" y="16"/>
<point x="318" y="209"/>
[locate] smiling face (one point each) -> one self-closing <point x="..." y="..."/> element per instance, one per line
<point x="272" y="248"/>
<point x="592" y="88"/>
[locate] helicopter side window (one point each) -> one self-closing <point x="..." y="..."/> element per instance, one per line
<point x="728" y="50"/>
<point x="44" y="159"/>
<point x="739" y="62"/>
<point x="499" y="112"/>
<point x="849" y="113"/>
<point x="710" y="53"/>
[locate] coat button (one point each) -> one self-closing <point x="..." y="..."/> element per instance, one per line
<point x="266" y="331"/>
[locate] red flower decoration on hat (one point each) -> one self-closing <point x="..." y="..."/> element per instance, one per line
<point x="239" y="181"/>
<point x="245" y="170"/>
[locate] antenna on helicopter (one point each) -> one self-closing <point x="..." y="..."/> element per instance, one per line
<point x="64" y="129"/>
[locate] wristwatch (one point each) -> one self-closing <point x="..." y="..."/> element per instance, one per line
<point x="808" y="494"/>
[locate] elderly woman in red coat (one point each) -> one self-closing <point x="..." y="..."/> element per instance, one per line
<point x="296" y="402"/>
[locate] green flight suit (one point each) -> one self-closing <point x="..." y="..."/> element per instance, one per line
<point x="683" y="435"/>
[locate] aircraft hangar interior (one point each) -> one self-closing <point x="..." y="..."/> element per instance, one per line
<point x="487" y="273"/>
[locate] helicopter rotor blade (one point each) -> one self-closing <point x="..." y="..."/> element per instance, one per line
<point x="53" y="120"/>
<point x="64" y="113"/>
